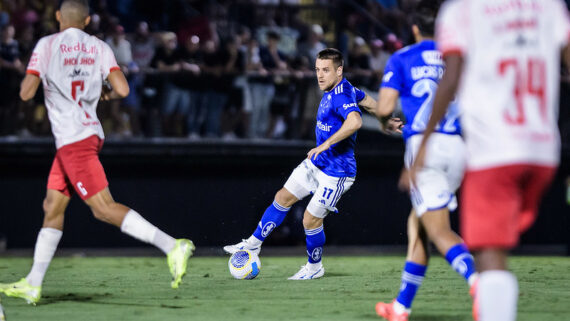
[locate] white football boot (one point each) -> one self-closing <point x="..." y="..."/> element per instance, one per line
<point x="243" y="245"/>
<point x="309" y="271"/>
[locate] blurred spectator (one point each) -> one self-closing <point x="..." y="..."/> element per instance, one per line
<point x="233" y="116"/>
<point x="378" y="59"/>
<point x="313" y="45"/>
<point x="261" y="91"/>
<point x="175" y="99"/>
<point x="191" y="59"/>
<point x="215" y="96"/>
<point x="11" y="71"/>
<point x="125" y="124"/>
<point x="94" y="27"/>
<point x="143" y="46"/>
<point x="359" y="63"/>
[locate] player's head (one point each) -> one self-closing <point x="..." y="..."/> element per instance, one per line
<point x="329" y="67"/>
<point x="423" y="18"/>
<point x="73" y="13"/>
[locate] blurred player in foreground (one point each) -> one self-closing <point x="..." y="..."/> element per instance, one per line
<point x="503" y="59"/>
<point x="412" y="75"/>
<point x="329" y="170"/>
<point x="72" y="65"/>
<point x="2" y="314"/>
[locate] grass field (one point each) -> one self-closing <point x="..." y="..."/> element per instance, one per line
<point x="138" y="289"/>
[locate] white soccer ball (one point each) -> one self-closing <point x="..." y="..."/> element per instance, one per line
<point x="244" y="265"/>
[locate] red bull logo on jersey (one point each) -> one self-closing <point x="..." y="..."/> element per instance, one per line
<point x="323" y="126"/>
<point x="63" y="48"/>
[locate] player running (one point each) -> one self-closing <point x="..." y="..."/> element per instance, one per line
<point x="72" y="66"/>
<point x="412" y="74"/>
<point x="329" y="170"/>
<point x="503" y="59"/>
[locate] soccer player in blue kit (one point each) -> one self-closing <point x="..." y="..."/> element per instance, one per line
<point x="412" y="75"/>
<point x="329" y="170"/>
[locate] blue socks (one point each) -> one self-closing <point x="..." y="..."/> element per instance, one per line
<point x="273" y="217"/>
<point x="461" y="261"/>
<point x="412" y="278"/>
<point x="315" y="241"/>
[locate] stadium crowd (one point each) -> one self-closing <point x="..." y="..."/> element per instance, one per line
<point x="217" y="69"/>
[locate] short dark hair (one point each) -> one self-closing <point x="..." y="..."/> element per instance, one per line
<point x="424" y="16"/>
<point x="331" y="53"/>
<point x="84" y="3"/>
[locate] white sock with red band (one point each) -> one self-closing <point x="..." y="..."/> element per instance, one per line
<point x="136" y="226"/>
<point x="498" y="294"/>
<point x="46" y="245"/>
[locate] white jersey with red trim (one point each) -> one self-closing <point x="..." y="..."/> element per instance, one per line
<point x="508" y="93"/>
<point x="72" y="66"/>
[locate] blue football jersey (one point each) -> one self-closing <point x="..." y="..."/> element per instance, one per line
<point x="414" y="72"/>
<point x="337" y="161"/>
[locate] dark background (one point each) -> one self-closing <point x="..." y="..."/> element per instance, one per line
<point x="215" y="193"/>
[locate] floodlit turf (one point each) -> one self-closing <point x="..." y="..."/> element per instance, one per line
<point x="124" y="289"/>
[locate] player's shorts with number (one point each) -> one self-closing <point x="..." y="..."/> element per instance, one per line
<point x="308" y="179"/>
<point x="444" y="165"/>
<point x="77" y="167"/>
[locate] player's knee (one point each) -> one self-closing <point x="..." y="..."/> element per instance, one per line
<point x="285" y="198"/>
<point x="49" y="207"/>
<point x="311" y="222"/>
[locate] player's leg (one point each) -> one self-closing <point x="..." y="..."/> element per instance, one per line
<point x="325" y="198"/>
<point x="449" y="244"/>
<point x="315" y="240"/>
<point x="55" y="202"/>
<point x="490" y="204"/>
<point x="412" y="276"/>
<point x="297" y="187"/>
<point x="132" y="223"/>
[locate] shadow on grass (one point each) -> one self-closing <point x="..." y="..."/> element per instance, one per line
<point x="447" y="317"/>
<point x="333" y="274"/>
<point x="98" y="298"/>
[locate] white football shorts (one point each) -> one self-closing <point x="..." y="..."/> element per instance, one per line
<point x="441" y="176"/>
<point x="308" y="179"/>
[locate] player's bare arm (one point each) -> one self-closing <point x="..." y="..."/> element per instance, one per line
<point x="369" y="104"/>
<point x="387" y="99"/>
<point x="119" y="85"/>
<point x="443" y="96"/>
<point x="29" y="86"/>
<point x="351" y="124"/>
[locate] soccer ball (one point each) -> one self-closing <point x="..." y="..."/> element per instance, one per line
<point x="244" y="265"/>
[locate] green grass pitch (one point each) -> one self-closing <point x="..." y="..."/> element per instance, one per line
<point x="126" y="289"/>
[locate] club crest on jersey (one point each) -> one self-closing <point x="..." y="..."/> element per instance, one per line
<point x="267" y="228"/>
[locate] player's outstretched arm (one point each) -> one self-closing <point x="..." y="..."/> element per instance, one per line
<point x="369" y="104"/>
<point x="119" y="85"/>
<point x="29" y="86"/>
<point x="351" y="124"/>
<point x="443" y="96"/>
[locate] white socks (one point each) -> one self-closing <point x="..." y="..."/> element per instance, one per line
<point x="498" y="293"/>
<point x="139" y="228"/>
<point x="252" y="240"/>
<point x="46" y="244"/>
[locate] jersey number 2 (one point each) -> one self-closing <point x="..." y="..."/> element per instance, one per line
<point x="529" y="81"/>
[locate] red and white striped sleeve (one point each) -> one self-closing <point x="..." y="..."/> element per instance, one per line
<point x="452" y="28"/>
<point x="108" y="61"/>
<point x="39" y="59"/>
